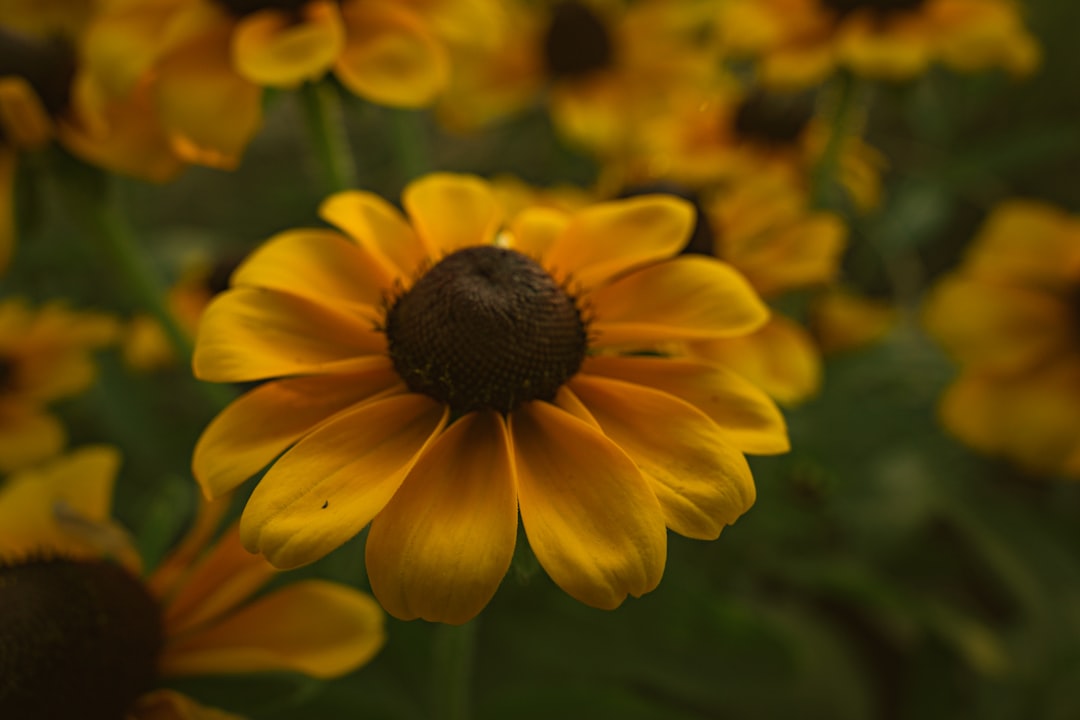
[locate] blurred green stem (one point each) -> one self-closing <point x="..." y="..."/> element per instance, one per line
<point x="453" y="652"/>
<point x="326" y="129"/>
<point x="410" y="143"/>
<point x="826" y="173"/>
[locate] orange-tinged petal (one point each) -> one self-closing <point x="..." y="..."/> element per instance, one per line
<point x="251" y="334"/>
<point x="389" y="55"/>
<point x="534" y="231"/>
<point x="701" y="481"/>
<point x="379" y="228"/>
<point x="321" y="265"/>
<point x="441" y="546"/>
<point x="315" y="627"/>
<point x="260" y="425"/>
<point x="610" y="238"/>
<point x="451" y="212"/>
<point x="751" y="420"/>
<point x="27" y="435"/>
<point x="217" y="583"/>
<point x="23" y="118"/>
<point x="781" y="358"/>
<point x="333" y="482"/>
<point x="209" y="110"/>
<point x="592" y="520"/>
<point x="688" y="298"/>
<point x="277" y="48"/>
<point x="171" y="705"/>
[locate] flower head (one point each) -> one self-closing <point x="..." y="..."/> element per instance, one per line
<point x="83" y="635"/>
<point x="435" y="375"/>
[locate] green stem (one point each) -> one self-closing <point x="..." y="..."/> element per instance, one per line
<point x="453" y="652"/>
<point x="410" y="136"/>
<point x="326" y="129"/>
<point x="826" y="172"/>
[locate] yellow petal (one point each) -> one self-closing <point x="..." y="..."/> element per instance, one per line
<point x="1027" y="242"/>
<point x="781" y="358"/>
<point x="379" y="228"/>
<point x="27" y="436"/>
<point x="610" y="238"/>
<point x="440" y="548"/>
<point x="534" y="231"/>
<point x="688" y="298"/>
<point x="181" y="559"/>
<point x="216" y="584"/>
<point x="389" y="55"/>
<point x="171" y="705"/>
<point x="594" y="524"/>
<point x="259" y="426"/>
<point x="251" y="334"/>
<point x="315" y="627"/>
<point x="751" y="421"/>
<point x="209" y="110"/>
<point x="279" y="49"/>
<point x="333" y="482"/>
<point x="891" y="50"/>
<point x="23" y="118"/>
<point x="702" y="483"/>
<point x="451" y="212"/>
<point x="321" y="265"/>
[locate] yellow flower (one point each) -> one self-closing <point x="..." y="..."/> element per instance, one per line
<point x="800" y="42"/>
<point x="433" y="375"/>
<point x="1010" y="317"/>
<point x="83" y="636"/>
<point x="45" y="355"/>
<point x="766" y="230"/>
<point x="208" y="60"/>
<point x="600" y="66"/>
<point x="842" y="319"/>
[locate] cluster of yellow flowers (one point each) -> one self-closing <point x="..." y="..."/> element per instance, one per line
<point x="594" y="361"/>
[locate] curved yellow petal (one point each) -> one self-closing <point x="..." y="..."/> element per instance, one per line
<point x="780" y="357"/>
<point x="251" y="334"/>
<point x="534" y="231"/>
<point x="389" y="55"/>
<point x="443" y="543"/>
<point x="610" y="238"/>
<point x="688" y="298"/>
<point x="280" y="49"/>
<point x="171" y="705"/>
<point x="23" y="118"/>
<point x="451" y="211"/>
<point x="334" y="481"/>
<point x="1027" y="242"/>
<point x="592" y="520"/>
<point x="893" y="51"/>
<point x="321" y="265"/>
<point x="27" y="435"/>
<point x="209" y="110"/>
<point x="260" y="425"/>
<point x="379" y="228"/>
<point x="751" y="420"/>
<point x="315" y="627"/>
<point x="701" y="481"/>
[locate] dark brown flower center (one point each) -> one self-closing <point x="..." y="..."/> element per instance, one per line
<point x="703" y="240"/>
<point x="881" y="7"/>
<point x="240" y="8"/>
<point x="77" y="640"/>
<point x="576" y="43"/>
<point x="773" y="119"/>
<point x="486" y="328"/>
<point x="47" y="65"/>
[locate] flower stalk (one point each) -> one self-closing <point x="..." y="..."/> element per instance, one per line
<point x="325" y="120"/>
<point x="453" y="655"/>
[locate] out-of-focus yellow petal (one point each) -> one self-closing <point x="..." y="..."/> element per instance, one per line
<point x="333" y="482"/>
<point x="904" y="51"/>
<point x="843" y="320"/>
<point x="171" y="705"/>
<point x="389" y="56"/>
<point x="379" y="228"/>
<point x="275" y="48"/>
<point x="702" y="483"/>
<point x="451" y="212"/>
<point x="440" y="548"/>
<point x="592" y="520"/>
<point x="1027" y="242"/>
<point x="257" y="427"/>
<point x="27" y="436"/>
<point x="688" y="298"/>
<point x="534" y="231"/>
<point x="23" y="118"/>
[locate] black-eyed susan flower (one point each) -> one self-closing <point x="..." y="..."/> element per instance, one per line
<point x="435" y="375"/>
<point x="209" y="60"/>
<point x="800" y="42"/>
<point x="1010" y="317"/>
<point x="599" y="66"/>
<point x="45" y="355"/>
<point x="83" y="635"/>
<point x="765" y="228"/>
